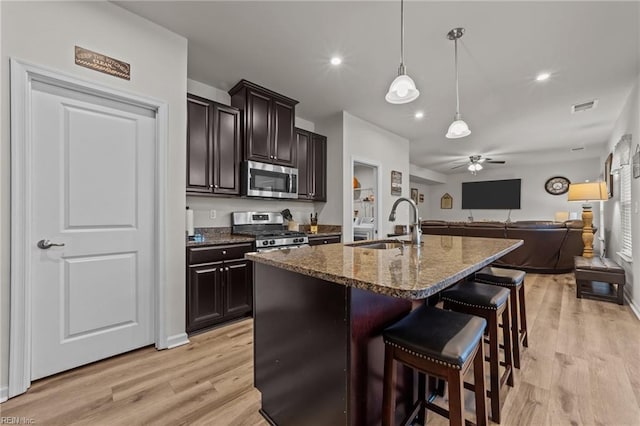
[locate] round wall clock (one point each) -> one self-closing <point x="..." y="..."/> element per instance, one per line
<point x="557" y="185"/>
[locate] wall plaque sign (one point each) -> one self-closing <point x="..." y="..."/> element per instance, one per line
<point x="446" y="201"/>
<point x="103" y="63"/>
<point x="396" y="182"/>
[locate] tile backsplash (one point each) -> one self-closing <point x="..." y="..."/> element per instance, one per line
<point x="223" y="207"/>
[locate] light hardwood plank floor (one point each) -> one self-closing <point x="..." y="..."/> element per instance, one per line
<point x="582" y="367"/>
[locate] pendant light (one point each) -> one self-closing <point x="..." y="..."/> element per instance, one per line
<point x="403" y="89"/>
<point x="457" y="129"/>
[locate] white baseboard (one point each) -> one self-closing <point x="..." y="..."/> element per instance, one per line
<point x="632" y="305"/>
<point x="4" y="393"/>
<point x="177" y="340"/>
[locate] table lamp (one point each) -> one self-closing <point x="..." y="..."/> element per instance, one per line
<point x="587" y="191"/>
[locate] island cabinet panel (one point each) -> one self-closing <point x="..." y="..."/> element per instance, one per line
<point x="268" y="125"/>
<point x="318" y="350"/>
<point x="312" y="165"/>
<point x="219" y="285"/>
<point x="213" y="147"/>
<point x="316" y="241"/>
<point x="300" y="348"/>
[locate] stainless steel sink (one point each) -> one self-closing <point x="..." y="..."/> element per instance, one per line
<point x="379" y="245"/>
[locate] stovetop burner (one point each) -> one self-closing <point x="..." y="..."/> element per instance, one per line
<point x="268" y="229"/>
<point x="270" y="233"/>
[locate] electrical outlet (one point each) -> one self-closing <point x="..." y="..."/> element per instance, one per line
<point x="212" y="214"/>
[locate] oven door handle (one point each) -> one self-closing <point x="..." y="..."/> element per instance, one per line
<point x="290" y="183"/>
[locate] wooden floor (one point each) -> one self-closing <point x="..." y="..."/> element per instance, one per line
<point x="582" y="367"/>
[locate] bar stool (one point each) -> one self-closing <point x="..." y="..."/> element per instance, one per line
<point x="439" y="343"/>
<point x="512" y="279"/>
<point x="490" y="303"/>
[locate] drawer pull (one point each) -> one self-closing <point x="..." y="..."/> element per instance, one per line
<point x="224" y="252"/>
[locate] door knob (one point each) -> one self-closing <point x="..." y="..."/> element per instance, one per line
<point x="46" y="244"/>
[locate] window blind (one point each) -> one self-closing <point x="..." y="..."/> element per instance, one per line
<point x="625" y="209"/>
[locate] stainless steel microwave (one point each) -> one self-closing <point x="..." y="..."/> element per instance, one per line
<point x="269" y="180"/>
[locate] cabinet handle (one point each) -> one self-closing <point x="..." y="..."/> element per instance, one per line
<point x="215" y="186"/>
<point x="226" y="269"/>
<point x="210" y="186"/>
<point x="224" y="252"/>
<point x="325" y="242"/>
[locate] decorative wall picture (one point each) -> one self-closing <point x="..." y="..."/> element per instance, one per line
<point x="636" y="163"/>
<point x="422" y="198"/>
<point x="607" y="174"/>
<point x="396" y="183"/>
<point x="446" y="202"/>
<point x="414" y="195"/>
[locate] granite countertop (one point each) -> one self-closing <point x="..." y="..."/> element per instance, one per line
<point x="216" y="239"/>
<point x="217" y="236"/>
<point x="407" y="272"/>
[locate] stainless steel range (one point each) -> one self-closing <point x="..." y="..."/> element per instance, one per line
<point x="269" y="230"/>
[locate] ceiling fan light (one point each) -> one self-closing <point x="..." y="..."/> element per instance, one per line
<point x="402" y="90"/>
<point x="475" y="167"/>
<point x="458" y="129"/>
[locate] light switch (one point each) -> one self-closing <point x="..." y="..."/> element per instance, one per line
<point x="212" y="214"/>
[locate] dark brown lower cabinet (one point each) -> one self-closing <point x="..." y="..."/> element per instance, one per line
<point x="219" y="289"/>
<point x="332" y="239"/>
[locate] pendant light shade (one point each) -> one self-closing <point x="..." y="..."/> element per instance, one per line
<point x="402" y="89"/>
<point x="457" y="129"/>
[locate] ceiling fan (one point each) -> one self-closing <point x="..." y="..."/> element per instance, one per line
<point x="475" y="163"/>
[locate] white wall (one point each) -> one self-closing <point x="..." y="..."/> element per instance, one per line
<point x="45" y="33"/>
<point x="628" y="122"/>
<point x="536" y="203"/>
<point x="331" y="211"/>
<point x="425" y="189"/>
<point x="364" y="141"/>
<point x="202" y="206"/>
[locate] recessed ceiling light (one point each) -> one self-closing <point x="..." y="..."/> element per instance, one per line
<point x="543" y="76"/>
<point x="419" y="114"/>
<point x="336" y="60"/>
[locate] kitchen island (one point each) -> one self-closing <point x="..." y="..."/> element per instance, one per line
<point x="319" y="313"/>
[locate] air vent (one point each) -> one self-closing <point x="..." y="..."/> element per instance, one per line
<point x="584" y="106"/>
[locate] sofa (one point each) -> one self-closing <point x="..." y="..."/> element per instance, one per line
<point x="549" y="247"/>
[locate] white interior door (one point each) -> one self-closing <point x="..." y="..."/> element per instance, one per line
<point x="92" y="193"/>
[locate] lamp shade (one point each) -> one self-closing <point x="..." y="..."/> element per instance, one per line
<point x="587" y="191"/>
<point x="458" y="129"/>
<point x="402" y="90"/>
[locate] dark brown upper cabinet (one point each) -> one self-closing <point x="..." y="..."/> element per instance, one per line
<point x="268" y="125"/>
<point x="312" y="165"/>
<point x="214" y="147"/>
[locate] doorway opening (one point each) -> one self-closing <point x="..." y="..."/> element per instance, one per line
<point x="366" y="200"/>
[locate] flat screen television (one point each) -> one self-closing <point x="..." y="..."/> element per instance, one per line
<point x="491" y="194"/>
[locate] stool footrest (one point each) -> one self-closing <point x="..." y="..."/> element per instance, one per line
<point x="445" y="413"/>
